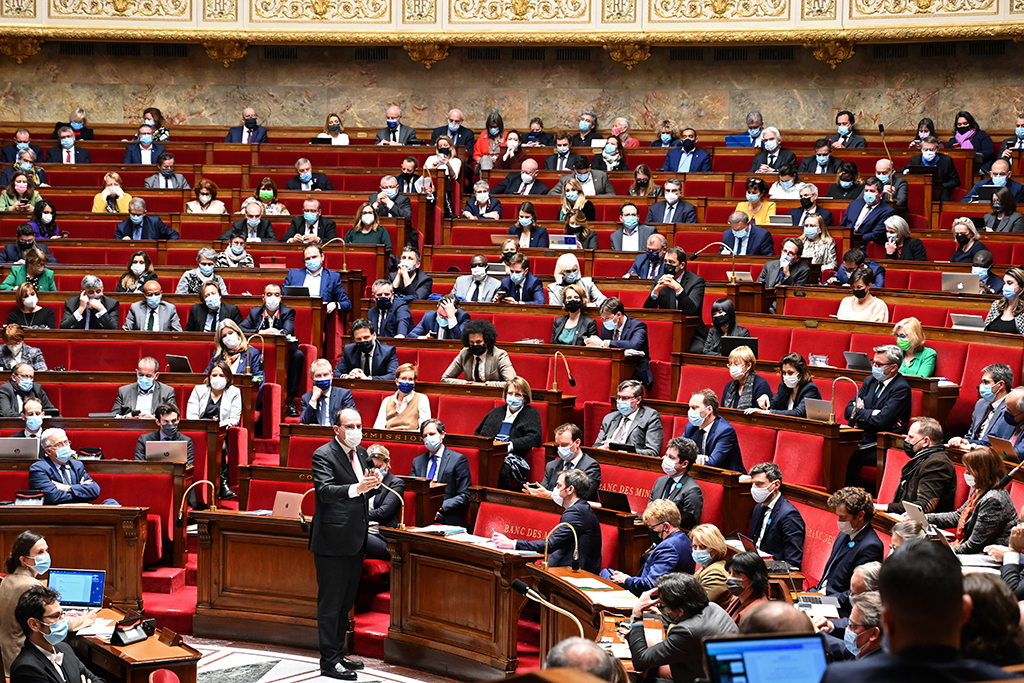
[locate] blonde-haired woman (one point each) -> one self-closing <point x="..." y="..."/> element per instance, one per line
<point x="819" y="247"/>
<point x="111" y="199"/>
<point x="573" y="199"/>
<point x="334" y="130"/>
<point x="967" y="243"/>
<point x="406" y="409"/>
<point x="918" y="359"/>
<point x="569" y="272"/>
<point x="709" y="551"/>
<point x="231" y="347"/>
<point x="576" y="225"/>
<point x="367" y="228"/>
<point x="746" y="389"/>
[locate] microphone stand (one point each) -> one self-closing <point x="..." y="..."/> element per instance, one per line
<point x="728" y="249"/>
<point x="344" y="253"/>
<point x="832" y="415"/>
<point x="520" y="587"/>
<point x="248" y="362"/>
<point x="576" y="549"/>
<point x="184" y="500"/>
<point x="554" y="382"/>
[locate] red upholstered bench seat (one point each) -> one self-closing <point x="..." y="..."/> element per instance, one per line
<point x="635" y="483"/>
<point x="821" y="534"/>
<point x="11" y="483"/>
<point x="155" y="491"/>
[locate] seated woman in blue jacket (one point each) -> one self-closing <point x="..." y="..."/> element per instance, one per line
<point x="746" y="388"/>
<point x="795" y="387"/>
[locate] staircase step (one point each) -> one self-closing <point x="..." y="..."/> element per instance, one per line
<point x="267" y="459"/>
<point x="382" y="603"/>
<point x="191" y="569"/>
<point x="165" y="580"/>
<point x="529" y="632"/>
<point x="172" y="611"/>
<point x="371" y="630"/>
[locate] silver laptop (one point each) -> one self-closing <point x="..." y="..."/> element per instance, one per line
<point x="1004" y="449"/>
<point x="287" y="504"/>
<point x="80" y="589"/>
<point x="818" y="409"/>
<point x="167" y="451"/>
<point x="739" y="276"/>
<point x="916" y="514"/>
<point x="961" y="283"/>
<point x="781" y="220"/>
<point x="19" y="448"/>
<point x="975" y="323"/>
<point x="563" y="242"/>
<point x="855" y="360"/>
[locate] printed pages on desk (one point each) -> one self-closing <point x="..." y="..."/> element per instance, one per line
<point x="612" y="599"/>
<point x="588" y="584"/>
<point x="101" y="628"/>
<point x="977" y="560"/>
<point x="485" y="542"/>
<point x="439" y="530"/>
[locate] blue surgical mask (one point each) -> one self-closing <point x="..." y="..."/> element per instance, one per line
<point x="310" y="216"/>
<point x="741" y="234"/>
<point x="883" y="178"/>
<point x="313" y="265"/>
<point x="610" y="325"/>
<point x="609" y="149"/>
<point x="1020" y="132"/>
<point x="252" y="222"/>
<point x="583" y="177"/>
<point x="986" y="392"/>
<point x="406" y="387"/>
<point x="624" y="407"/>
<point x="22" y="145"/>
<point x="146" y="139"/>
<point x="305" y="177"/>
<point x="666" y="138"/>
<point x="432" y="442"/>
<point x="982" y="273"/>
<point x="42" y="564"/>
<point x="58" y="632"/>
<point x="584" y="126"/>
<point x="135" y="218"/>
<point x="454" y="127"/>
<point x="145" y="383"/>
<point x="562" y="149"/>
<point x="322" y="384"/>
<point x="701" y="557"/>
<point x="786" y="184"/>
<point x="25" y="166"/>
<point x="870" y="197"/>
<point x="771" y="145"/>
<point x="843" y="130"/>
<point x="822" y="159"/>
<point x="810" y="231"/>
<point x="998" y="180"/>
<point x="493" y="132"/>
<point x="392" y="124"/>
<point x="213" y="302"/>
<point x="694" y="417"/>
<point x="1009" y="292"/>
<point x="565" y="453"/>
<point x="526" y="222"/>
<point x="206" y="269"/>
<point x="25" y="384"/>
<point x="571" y="195"/>
<point x="237" y="249"/>
<point x="753" y="197"/>
<point x="754" y="132"/>
<point x="850" y="639"/>
<point x="391" y="192"/>
<point x="64" y="454"/>
<point x="846" y="184"/>
<point x="570" y="277"/>
<point x="67" y="143"/>
<point x="514" y="402"/>
<point x="34" y="422"/>
<point x="630" y="222"/>
<point x="442" y="322"/>
<point x="878" y="373"/>
<point x="517" y="277"/>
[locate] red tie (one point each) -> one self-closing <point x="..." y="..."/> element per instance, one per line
<point x="68" y="160"/>
<point x="248" y="136"/>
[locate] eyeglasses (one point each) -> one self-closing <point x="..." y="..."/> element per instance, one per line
<point x="880" y="365"/>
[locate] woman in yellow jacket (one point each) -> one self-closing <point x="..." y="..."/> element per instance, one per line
<point x="709" y="551"/>
<point x="757" y="205"/>
<point x="112" y="199"/>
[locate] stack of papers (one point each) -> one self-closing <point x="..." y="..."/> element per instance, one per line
<point x="977" y="560"/>
<point x="439" y="530"/>
<point x="102" y="628"/>
<point x="613" y="599"/>
<point x="587" y="584"/>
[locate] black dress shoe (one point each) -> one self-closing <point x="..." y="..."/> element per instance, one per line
<point x="290" y="410"/>
<point x="351" y="664"/>
<point x="226" y="493"/>
<point x="338" y="672"/>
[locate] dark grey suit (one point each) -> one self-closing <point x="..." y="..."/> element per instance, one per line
<point x="129" y="394"/>
<point x="681" y="650"/>
<point x="601" y="183"/>
<point x="140" y="446"/>
<point x="166" y="317"/>
<point x="645" y="433"/>
<point x="586" y="463"/>
<point x="685" y="493"/>
<point x="645" y="232"/>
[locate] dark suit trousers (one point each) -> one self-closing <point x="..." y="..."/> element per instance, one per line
<point x="337" y="579"/>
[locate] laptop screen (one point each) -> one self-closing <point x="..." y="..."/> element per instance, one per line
<point x="78" y="587"/>
<point x="798" y="658"/>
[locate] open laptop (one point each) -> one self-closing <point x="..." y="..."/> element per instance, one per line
<point x="730" y="343"/>
<point x="19" y="448"/>
<point x="774" y="566"/>
<point x="287" y="504"/>
<point x="739" y="276"/>
<point x="921" y="169"/>
<point x="961" y="283"/>
<point x="178" y="363"/>
<point x="295" y="291"/>
<point x="768" y="658"/>
<point x="963" y="321"/>
<point x="167" y="451"/>
<point x="1004" y="449"/>
<point x="817" y="409"/>
<point x="614" y="500"/>
<point x="80" y="589"/>
<point x="563" y="242"/>
<point x="855" y="360"/>
<point x="781" y="220"/>
<point x="985" y="192"/>
<point x="621" y="447"/>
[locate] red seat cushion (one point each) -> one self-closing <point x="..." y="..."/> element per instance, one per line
<point x="712" y="513"/>
<point x="635" y="483"/>
<point x="756" y="444"/>
<point x="821" y="343"/>
<point x="894" y="462"/>
<point x="801" y="458"/>
<point x="263" y="492"/>
<point x="462" y="414"/>
<point x="772" y="342"/>
<point x="821" y="534"/>
<point x="693" y="378"/>
<point x="802" y="307"/>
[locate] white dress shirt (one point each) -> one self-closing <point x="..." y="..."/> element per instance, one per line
<point x="312" y="282"/>
<point x="631" y="241"/>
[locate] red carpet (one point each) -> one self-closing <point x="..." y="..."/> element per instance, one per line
<point x="371" y="630"/>
<point x="173" y="611"/>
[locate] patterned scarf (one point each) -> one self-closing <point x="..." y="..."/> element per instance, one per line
<point x="972" y="503"/>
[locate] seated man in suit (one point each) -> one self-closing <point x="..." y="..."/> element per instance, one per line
<point x="22" y="141"/>
<point x="789" y="270"/>
<point x="455" y="130"/>
<point x="677" y="486"/>
<point x="61" y="478"/>
<point x="632" y="422"/>
<point x="482" y="206"/>
<point x="844" y="137"/>
<point x="688" y="158"/>
<point x="1000" y="176"/>
<point x="390" y="316"/>
<point x="594" y="182"/>
<point x="996" y="382"/>
<point x="478" y="285"/>
<point x="14" y="253"/>
<point x="141" y="226"/>
<point x="631" y="236"/>
<point x="207" y="315"/>
<point x="894" y="187"/>
<point x="389" y="201"/>
<point x="396" y="132"/>
<point x="650" y="265"/>
<point x="152" y="314"/>
<point x="520" y="285"/>
<point x="319" y="280"/>
<point x="39" y="616"/>
<point x="446" y="323"/>
<point x="167" y="416"/>
<point x="776" y="526"/>
<point x="716" y="441"/>
<point x="166" y="179"/>
<point x="946" y="174"/>
<point x="672" y="209"/>
<point x="323" y="401"/>
<point x="32" y="415"/>
<point x="569" y="445"/>
<point x="746" y="238"/>
<point x="67" y="152"/>
<point x="588" y="130"/>
<point x="365" y="357"/>
<point x="25" y="163"/>
<point x="564" y="159"/>
<point x="563" y="544"/>
<point x="672" y="552"/>
<point x="928" y="479"/>
<point x="882" y="405"/>
<point x="250" y="132"/>
<point x="852" y="260"/>
<point x="769" y="159"/>
<point x="857" y="542"/>
<point x="822" y="163"/>
<point x="809" y="206"/>
<point x="90" y="310"/>
<point x="273" y="317"/>
<point x="22" y="386"/>
<point x="255" y="226"/>
<point x="312" y="227"/>
<point x="145" y="151"/>
<point x="619" y="331"/>
<point x="410" y="280"/>
<point x="140" y="398"/>
<point x="445" y="466"/>
<point x="867" y="214"/>
<point x="680" y="289"/>
<point x="523" y="181"/>
<point x="307" y="180"/>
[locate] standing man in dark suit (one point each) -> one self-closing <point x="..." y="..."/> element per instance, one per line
<point x="679" y="289"/>
<point x="867" y="214"/>
<point x="22" y="140"/>
<point x="320" y="281"/>
<point x="61" y="479"/>
<point x="312" y="227"/>
<point x="746" y="239"/>
<point x="844" y="137"/>
<point x="323" y="400"/>
<point x="167" y="416"/>
<point x="445" y="466"/>
<point x="365" y="357"/>
<point x="769" y="159"/>
<point x="140" y="226"/>
<point x="523" y="181"/>
<point x="809" y="207"/>
<point x="250" y="132"/>
<point x="619" y="331"/>
<point x="67" y="152"/>
<point x="856" y="544"/>
<point x="45" y="626"/>
<point x="22" y="387"/>
<point x="569" y="445"/>
<point x="717" y="445"/>
<point x="585" y="538"/>
<point x="456" y="132"/>
<point x="677" y="485"/>
<point x="776" y="526"/>
<point x="564" y="159"/>
<point x="822" y="163"/>
<point x="389" y="202"/>
<point x="672" y="209"/>
<point x="632" y="422"/>
<point x="145" y="394"/>
<point x="307" y="180"/>
<point x="410" y="280"/>
<point x="274" y="318"/>
<point x="90" y="310"/>
<point x="396" y="132"/>
<point x="390" y="316"/>
<point x="145" y="151"/>
<point x="254" y="226"/>
<point x="687" y="158"/>
<point x="945" y="171"/>
<point x="520" y="285"/>
<point x="343" y="477"/>
<point x="650" y="265"/>
<point x="631" y="236"/>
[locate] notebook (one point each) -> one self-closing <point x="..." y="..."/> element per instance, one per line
<point x="967" y="322"/>
<point x="774" y="566"/>
<point x="19" y="448"/>
<point x="78" y="588"/>
<point x="563" y="242"/>
<point x="167" y="451"/>
<point x="855" y="360"/>
<point x="769" y="658"/>
<point x="781" y="220"/>
<point x="818" y="409"/>
<point x="961" y="283"/>
<point x="287" y="504"/>
<point x="295" y="291"/>
<point x="614" y="500"/>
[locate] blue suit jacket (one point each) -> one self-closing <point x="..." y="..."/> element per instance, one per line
<point x="843" y="277"/>
<point x="152" y="229"/>
<point x="759" y="242"/>
<point x="429" y="324"/>
<point x="456" y="478"/>
<point x="283" y="321"/>
<point x="641" y="264"/>
<point x="133" y="154"/>
<point x="784" y="537"/>
<point x="671" y="555"/>
<point x="492" y="205"/>
<point x="722" y="446"/>
<point x="382" y="366"/>
<point x="633" y="336"/>
<point x="1016" y="188"/>
<point x="685" y="213"/>
<point x="872" y="229"/>
<point x="235" y="135"/>
<point x="580" y="516"/>
<point x="331" y="287"/>
<point x="846" y="556"/>
<point x="996" y="426"/>
<point x="531" y="291"/>
<point x="796" y="213"/>
<point x="538" y="236"/>
<point x="887" y="412"/>
<point x="700" y="163"/>
<point x="340" y="398"/>
<point x="398" y="321"/>
<point x="43" y="473"/>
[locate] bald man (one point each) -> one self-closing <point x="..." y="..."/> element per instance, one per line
<point x="776" y="616"/>
<point x="523" y="181"/>
<point x="894" y="187"/>
<point x="395" y="132"/>
<point x="459" y="134"/>
<point x="999" y="176"/>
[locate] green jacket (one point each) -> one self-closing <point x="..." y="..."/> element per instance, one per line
<point x="17" y="276"/>
<point x="922" y="365"/>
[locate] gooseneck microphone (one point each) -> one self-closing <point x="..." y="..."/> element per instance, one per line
<point x="520" y="587"/>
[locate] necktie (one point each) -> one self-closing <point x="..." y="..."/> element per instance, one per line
<point x="771" y="160"/>
<point x="670" y="212"/>
<point x="703" y="440"/>
<point x="88" y="316"/>
<point x="561" y="162"/>
<point x="67" y="157"/>
<point x="366" y="364"/>
<point x="322" y="410"/>
<point x="651" y="270"/>
<point x="522" y="190"/>
<point x="476" y="292"/>
<point x="479" y="369"/>
<point x="620" y="433"/>
<point x="980" y="431"/>
<point x="780" y="276"/>
<point x="863" y="216"/>
<point x="742" y="248"/>
<point x="248" y="136"/>
<point x="380" y="325"/>
<point x="151" y="324"/>
<point x="137" y="233"/>
<point x="567" y="466"/>
<point x="394" y="135"/>
<point x="618" y="334"/>
<point x="432" y="470"/>
<point x="65" y="475"/>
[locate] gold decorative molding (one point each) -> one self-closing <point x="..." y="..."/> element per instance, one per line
<point x="619" y="11"/>
<point x="419" y="11"/>
<point x="816" y="10"/>
<point x="220" y="10"/>
<point x="629" y="54"/>
<point x="832" y="52"/>
<point x="320" y="10"/>
<point x="21" y="9"/>
<point x="225" y="51"/>
<point x="122" y="9"/>
<point x="20" y="49"/>
<point x="718" y="9"/>
<point x="873" y="8"/>
<point x="426" y="54"/>
<point x="519" y="10"/>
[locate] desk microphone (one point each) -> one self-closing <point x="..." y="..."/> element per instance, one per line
<point x="728" y="250"/>
<point x="1005" y="481"/>
<point x="881" y="131"/>
<point x="572" y="381"/>
<point x="523" y="589"/>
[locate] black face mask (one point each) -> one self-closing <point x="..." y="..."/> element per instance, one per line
<point x="384" y="303"/>
<point x="25" y="246"/>
<point x="720" y="320"/>
<point x="962" y="129"/>
<point x="688" y="145"/>
<point x="669" y="269"/>
<point x="806" y="202"/>
<point x="407" y="177"/>
<point x="251" y="124"/>
<point x="573" y="229"/>
<point x="443" y="151"/>
<point x="478" y="350"/>
<point x="334" y="128"/>
<point x="643" y="182"/>
<point x="506" y="256"/>
<point x="860" y="293"/>
<point x="574" y="305"/>
<point x="962" y="239"/>
<point x="364" y="346"/>
<point x="996" y="207"/>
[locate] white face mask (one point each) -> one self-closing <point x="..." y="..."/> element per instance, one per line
<point x="138" y="268"/>
<point x="846" y="528"/>
<point x="737" y="371"/>
<point x="47" y="218"/>
<point x="31" y="301"/>
<point x="668" y="466"/>
<point x="230" y="340"/>
<point x="969" y="479"/>
<point x="367" y="219"/>
<point x="559" y="501"/>
<point x="791" y="380"/>
<point x="272" y="303"/>
<point x="479" y="272"/>
<point x="218" y="383"/>
<point x="353" y="437"/>
<point x="15" y="349"/>
<point x="760" y="495"/>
